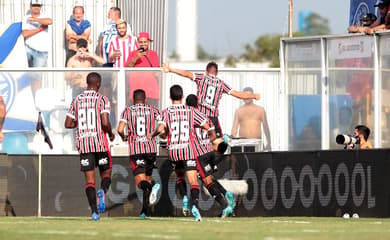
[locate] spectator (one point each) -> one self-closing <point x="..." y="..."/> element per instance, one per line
<point x="114" y="14"/>
<point x="144" y="57"/>
<point x="36" y="35"/>
<point x="2" y="117"/>
<point x="121" y="46"/>
<point x="249" y="119"/>
<point x="83" y="58"/>
<point x="367" y="20"/>
<point x="76" y="28"/>
<point x="379" y="24"/>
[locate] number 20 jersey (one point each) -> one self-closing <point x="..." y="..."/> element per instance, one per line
<point x="86" y="109"/>
<point x="141" y="120"/>
<point x="180" y="121"/>
<point x="209" y="92"/>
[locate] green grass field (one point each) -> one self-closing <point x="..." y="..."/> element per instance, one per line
<point x="268" y="228"/>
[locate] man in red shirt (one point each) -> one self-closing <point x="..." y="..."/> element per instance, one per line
<point x="89" y="114"/>
<point x="144" y="57"/>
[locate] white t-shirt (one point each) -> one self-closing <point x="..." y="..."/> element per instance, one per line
<point x="40" y="41"/>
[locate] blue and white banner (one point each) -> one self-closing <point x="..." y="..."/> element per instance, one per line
<point x="358" y="8"/>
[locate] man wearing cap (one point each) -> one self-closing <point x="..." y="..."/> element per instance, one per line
<point x="82" y="59"/>
<point x="367" y="20"/>
<point x="379" y="24"/>
<point x="36" y="35"/>
<point x="121" y="46"/>
<point x="144" y="57"/>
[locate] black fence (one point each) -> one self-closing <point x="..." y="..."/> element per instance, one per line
<point x="315" y="183"/>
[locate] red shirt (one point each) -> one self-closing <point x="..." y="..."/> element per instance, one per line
<point x="180" y="121"/>
<point x="86" y="109"/>
<point x="145" y="80"/>
<point x="141" y="120"/>
<point x="209" y="92"/>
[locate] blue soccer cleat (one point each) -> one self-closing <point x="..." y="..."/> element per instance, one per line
<point x="154" y="194"/>
<point x="186" y="210"/>
<point x="230" y="199"/>
<point x="195" y="212"/>
<point x="142" y="216"/>
<point x="226" y="212"/>
<point x="101" y="201"/>
<point x="95" y="216"/>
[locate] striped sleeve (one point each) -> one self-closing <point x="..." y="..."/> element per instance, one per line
<point x="105" y="105"/>
<point x="199" y="118"/>
<point x="72" y="112"/>
<point x="226" y="88"/>
<point x="198" y="77"/>
<point x="124" y="116"/>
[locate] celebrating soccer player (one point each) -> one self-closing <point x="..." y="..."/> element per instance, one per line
<point x="89" y="114"/>
<point x="178" y="121"/>
<point x="140" y="119"/>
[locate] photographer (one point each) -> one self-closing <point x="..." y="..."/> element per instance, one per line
<point x="144" y="58"/>
<point x="363" y="132"/>
<point x="360" y="138"/>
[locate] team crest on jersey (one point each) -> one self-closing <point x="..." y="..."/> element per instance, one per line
<point x="7" y="89"/>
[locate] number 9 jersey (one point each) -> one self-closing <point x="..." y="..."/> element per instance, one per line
<point x="86" y="110"/>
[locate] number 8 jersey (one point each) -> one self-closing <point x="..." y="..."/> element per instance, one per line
<point x="180" y="121"/>
<point x="141" y="120"/>
<point x="86" y="110"/>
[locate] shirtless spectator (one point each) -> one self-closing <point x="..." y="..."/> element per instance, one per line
<point x="248" y="119"/>
<point x="367" y="20"/>
<point x="82" y="59"/>
<point x="76" y="28"/>
<point x="379" y="24"/>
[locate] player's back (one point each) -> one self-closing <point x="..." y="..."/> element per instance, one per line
<point x="202" y="142"/>
<point x="209" y="92"/>
<point x="141" y="119"/>
<point x="88" y="107"/>
<point x="180" y="120"/>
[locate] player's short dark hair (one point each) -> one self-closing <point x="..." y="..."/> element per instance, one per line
<point x="192" y="100"/>
<point x="176" y="92"/>
<point x="93" y="78"/>
<point x="363" y="129"/>
<point x="212" y="65"/>
<point x="139" y="95"/>
<point x="248" y="89"/>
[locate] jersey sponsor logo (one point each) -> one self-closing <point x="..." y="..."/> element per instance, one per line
<point x="140" y="162"/>
<point x="84" y="162"/>
<point x="178" y="146"/>
<point x="103" y="161"/>
<point x="191" y="163"/>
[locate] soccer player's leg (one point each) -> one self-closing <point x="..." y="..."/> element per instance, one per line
<point x="87" y="165"/>
<point x="137" y="163"/>
<point x="192" y="176"/>
<point x="181" y="185"/>
<point x="150" y="160"/>
<point x="104" y="163"/>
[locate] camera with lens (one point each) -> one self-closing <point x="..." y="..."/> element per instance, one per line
<point x="141" y="49"/>
<point x="347" y="140"/>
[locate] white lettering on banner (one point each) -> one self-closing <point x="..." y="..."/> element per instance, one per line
<point x="316" y="183"/>
<point x="358" y="47"/>
<point x="122" y="188"/>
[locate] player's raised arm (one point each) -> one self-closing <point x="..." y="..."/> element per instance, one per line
<point x="245" y="95"/>
<point x="167" y="69"/>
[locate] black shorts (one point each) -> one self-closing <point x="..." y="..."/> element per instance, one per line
<point x="217" y="126"/>
<point x="205" y="164"/>
<point x="142" y="163"/>
<point x="184" y="164"/>
<point x="89" y="161"/>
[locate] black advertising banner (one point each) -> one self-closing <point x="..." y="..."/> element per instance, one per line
<point x="307" y="183"/>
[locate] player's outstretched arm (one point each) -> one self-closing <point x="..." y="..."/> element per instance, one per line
<point x="245" y="95"/>
<point x="167" y="69"/>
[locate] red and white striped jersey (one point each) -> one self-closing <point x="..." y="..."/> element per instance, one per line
<point x="86" y="109"/>
<point x="209" y="92"/>
<point x="180" y="121"/>
<point x="141" y="119"/>
<point x="125" y="46"/>
<point x="202" y="142"/>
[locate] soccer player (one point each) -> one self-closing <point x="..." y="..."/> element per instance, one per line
<point x="210" y="89"/>
<point x="178" y="122"/>
<point x="89" y="114"/>
<point x="140" y="119"/>
<point x="205" y="157"/>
